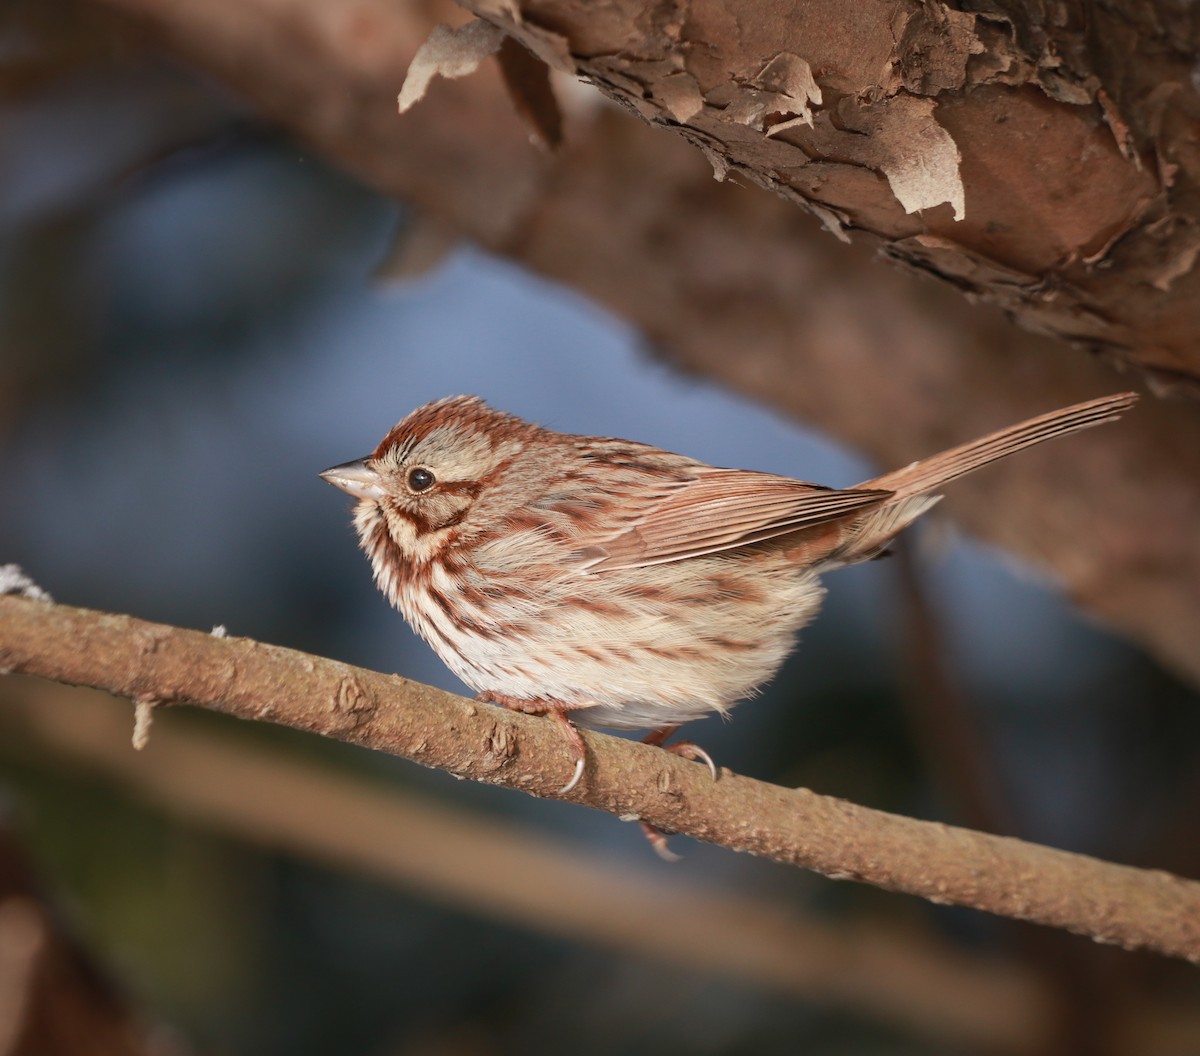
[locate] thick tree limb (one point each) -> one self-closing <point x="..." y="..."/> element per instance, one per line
<point x="1045" y="164"/>
<point x="739" y="285"/>
<point x="1116" y="904"/>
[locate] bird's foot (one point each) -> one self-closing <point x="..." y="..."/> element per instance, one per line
<point x="688" y="750"/>
<point x="556" y="710"/>
<point x="685" y="749"/>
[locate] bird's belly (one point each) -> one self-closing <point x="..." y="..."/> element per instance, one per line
<point x="632" y="649"/>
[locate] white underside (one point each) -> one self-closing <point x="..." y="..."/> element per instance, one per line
<point x="661" y="664"/>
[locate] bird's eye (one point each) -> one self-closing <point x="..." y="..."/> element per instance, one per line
<point x="420" y="479"/>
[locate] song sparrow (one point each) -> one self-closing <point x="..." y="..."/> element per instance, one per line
<point x="612" y="581"/>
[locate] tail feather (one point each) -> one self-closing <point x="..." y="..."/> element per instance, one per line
<point x="867" y="535"/>
<point x="933" y="472"/>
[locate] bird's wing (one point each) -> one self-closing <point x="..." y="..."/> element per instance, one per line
<point x="720" y="509"/>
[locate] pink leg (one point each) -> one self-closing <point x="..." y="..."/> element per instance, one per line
<point x="686" y="749"/>
<point x="558" y="712"/>
<point x="658" y="840"/>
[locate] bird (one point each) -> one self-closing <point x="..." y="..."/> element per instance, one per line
<point x="614" y="584"/>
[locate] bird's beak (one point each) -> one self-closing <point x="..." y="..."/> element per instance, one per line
<point x="355" y="478"/>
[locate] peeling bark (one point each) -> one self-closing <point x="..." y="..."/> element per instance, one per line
<point x="1044" y="162"/>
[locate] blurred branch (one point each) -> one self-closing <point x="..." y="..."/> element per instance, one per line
<point x="55" y="1000"/>
<point x="893" y="972"/>
<point x="939" y="710"/>
<point x="1115" y="904"/>
<point x="1088" y="1006"/>
<point x="895" y="366"/>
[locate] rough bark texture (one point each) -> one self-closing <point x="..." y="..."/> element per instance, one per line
<point x="152" y="663"/>
<point x="1041" y="157"/>
<point x="742" y="286"/>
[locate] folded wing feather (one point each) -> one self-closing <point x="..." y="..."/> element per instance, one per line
<point x="721" y="509"/>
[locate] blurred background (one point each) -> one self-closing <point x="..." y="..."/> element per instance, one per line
<point x="196" y="316"/>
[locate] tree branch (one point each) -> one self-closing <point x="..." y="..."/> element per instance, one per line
<point x="895" y="972"/>
<point x="898" y="974"/>
<point x="1129" y="907"/>
<point x="910" y="123"/>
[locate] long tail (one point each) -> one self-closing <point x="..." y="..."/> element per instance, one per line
<point x="867" y="536"/>
<point x="930" y="473"/>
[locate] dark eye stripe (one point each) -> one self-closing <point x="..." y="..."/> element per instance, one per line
<point x="420" y="479"/>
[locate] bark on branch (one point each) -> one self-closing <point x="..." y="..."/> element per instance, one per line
<point x="1043" y="164"/>
<point x="1110" y="903"/>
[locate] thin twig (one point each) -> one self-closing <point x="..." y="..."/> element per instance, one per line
<point x="942" y="717"/>
<point x="1129" y="907"/>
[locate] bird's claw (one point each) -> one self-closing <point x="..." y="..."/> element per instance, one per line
<point x="658" y="840"/>
<point x="574" y="777"/>
<point x="688" y="750"/>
